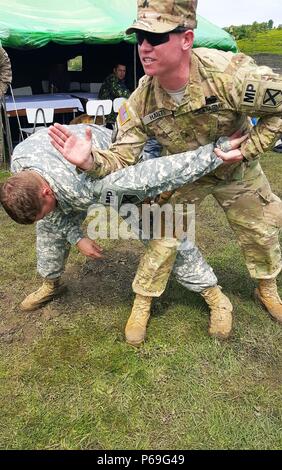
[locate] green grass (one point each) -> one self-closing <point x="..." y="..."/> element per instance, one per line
<point x="3" y="174"/>
<point x="267" y="42"/>
<point x="68" y="380"/>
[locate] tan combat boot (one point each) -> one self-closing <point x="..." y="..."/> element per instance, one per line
<point x="268" y="296"/>
<point x="220" y="323"/>
<point x="49" y="289"/>
<point x="135" y="330"/>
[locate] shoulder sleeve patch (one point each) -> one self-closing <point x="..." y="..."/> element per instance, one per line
<point x="262" y="95"/>
<point x="124" y="114"/>
<point x="272" y="97"/>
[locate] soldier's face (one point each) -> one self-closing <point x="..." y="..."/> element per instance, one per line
<point x="120" y="72"/>
<point x="164" y="58"/>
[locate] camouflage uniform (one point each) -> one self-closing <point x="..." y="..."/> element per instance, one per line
<point x="5" y="80"/>
<point x="75" y="191"/>
<point x="224" y="89"/>
<point x="113" y="88"/>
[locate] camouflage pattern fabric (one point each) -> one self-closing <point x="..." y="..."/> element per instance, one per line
<point x="75" y="191"/>
<point x="113" y="88"/>
<point x="189" y="268"/>
<point x="5" y="80"/>
<point x="164" y="16"/>
<point x="224" y="89"/>
<point x="253" y="211"/>
<point x="5" y="71"/>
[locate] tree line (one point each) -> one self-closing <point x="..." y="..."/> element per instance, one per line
<point x="249" y="30"/>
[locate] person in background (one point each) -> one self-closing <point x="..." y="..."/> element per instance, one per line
<point x="113" y="87"/>
<point x="5" y="80"/>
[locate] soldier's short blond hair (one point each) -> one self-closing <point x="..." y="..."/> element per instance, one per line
<point x="20" y="197"/>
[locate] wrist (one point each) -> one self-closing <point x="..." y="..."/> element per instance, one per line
<point x="88" y="164"/>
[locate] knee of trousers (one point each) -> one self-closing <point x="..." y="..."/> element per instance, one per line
<point x="256" y="220"/>
<point x="155" y="267"/>
<point x="257" y="216"/>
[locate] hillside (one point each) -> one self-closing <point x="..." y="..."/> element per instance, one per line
<point x="267" y="42"/>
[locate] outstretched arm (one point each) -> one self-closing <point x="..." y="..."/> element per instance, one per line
<point x="155" y="176"/>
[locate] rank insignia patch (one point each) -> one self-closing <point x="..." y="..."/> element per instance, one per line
<point x="272" y="98"/>
<point x="123" y="114"/>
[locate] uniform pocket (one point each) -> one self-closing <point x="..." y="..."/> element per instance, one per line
<point x="272" y="207"/>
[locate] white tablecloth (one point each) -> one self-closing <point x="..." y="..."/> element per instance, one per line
<point x="56" y="101"/>
<point x="85" y="95"/>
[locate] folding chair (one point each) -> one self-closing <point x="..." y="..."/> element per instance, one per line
<point x="37" y="116"/>
<point x="74" y="86"/>
<point x="45" y="86"/>
<point x="24" y="90"/>
<point x="117" y="103"/>
<point x="94" y="87"/>
<point x="99" y="108"/>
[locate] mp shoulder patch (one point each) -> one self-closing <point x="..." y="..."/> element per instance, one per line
<point x="250" y="92"/>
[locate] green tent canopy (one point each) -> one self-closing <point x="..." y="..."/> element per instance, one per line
<point x="35" y="23"/>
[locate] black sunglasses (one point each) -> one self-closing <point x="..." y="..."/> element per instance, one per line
<point x="155" y="39"/>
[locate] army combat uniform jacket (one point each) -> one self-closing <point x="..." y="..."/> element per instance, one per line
<point x="5" y="71"/>
<point x="5" y="80"/>
<point x="76" y="191"/>
<point x="223" y="91"/>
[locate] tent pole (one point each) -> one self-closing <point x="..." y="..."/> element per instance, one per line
<point x="135" y="65"/>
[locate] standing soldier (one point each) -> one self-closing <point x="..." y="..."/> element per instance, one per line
<point x="5" y="80"/>
<point x="186" y="99"/>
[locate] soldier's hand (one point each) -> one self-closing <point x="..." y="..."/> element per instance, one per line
<point x="89" y="248"/>
<point x="234" y="154"/>
<point x="77" y="151"/>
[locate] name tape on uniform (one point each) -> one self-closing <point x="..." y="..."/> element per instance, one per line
<point x="156" y="115"/>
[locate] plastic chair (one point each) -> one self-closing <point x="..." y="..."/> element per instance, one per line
<point x="24" y="90"/>
<point x="117" y="103"/>
<point x="74" y="86"/>
<point x="37" y="116"/>
<point x="95" y="87"/>
<point x="45" y="86"/>
<point x="99" y="108"/>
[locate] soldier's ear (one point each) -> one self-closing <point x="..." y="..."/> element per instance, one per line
<point x="47" y="192"/>
<point x="188" y="39"/>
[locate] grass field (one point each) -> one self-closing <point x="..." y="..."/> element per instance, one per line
<point x="68" y="380"/>
<point x="266" y="42"/>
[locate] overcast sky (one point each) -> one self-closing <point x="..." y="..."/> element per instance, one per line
<point x="228" y="12"/>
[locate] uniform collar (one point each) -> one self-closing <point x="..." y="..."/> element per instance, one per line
<point x="194" y="96"/>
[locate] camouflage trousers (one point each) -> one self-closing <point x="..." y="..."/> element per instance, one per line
<point x="192" y="271"/>
<point x="52" y="248"/>
<point x="253" y="211"/>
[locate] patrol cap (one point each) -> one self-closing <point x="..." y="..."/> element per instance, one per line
<point x="163" y="16"/>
